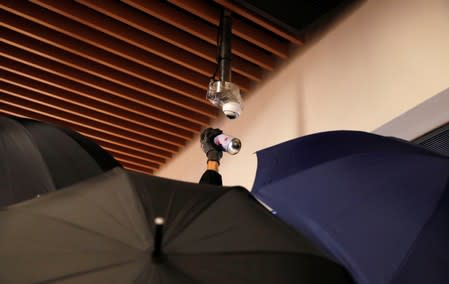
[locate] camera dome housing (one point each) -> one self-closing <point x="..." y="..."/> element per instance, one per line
<point x="225" y="95"/>
<point x="232" y="110"/>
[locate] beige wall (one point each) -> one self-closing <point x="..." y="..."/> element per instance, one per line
<point x="382" y="59"/>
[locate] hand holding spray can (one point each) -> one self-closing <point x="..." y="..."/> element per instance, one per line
<point x="228" y="143"/>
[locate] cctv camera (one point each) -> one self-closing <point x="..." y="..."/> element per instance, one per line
<point x="231" y="110"/>
<point x="226" y="96"/>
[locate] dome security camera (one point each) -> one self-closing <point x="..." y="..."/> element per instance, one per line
<point x="225" y="95"/>
<point x="232" y="110"/>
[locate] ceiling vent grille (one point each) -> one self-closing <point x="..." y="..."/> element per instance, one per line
<point x="437" y="140"/>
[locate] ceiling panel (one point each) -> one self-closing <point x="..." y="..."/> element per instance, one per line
<point x="131" y="75"/>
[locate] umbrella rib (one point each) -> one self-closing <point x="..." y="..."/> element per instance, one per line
<point x="82" y="229"/>
<point x="170" y="205"/>
<point x="362" y="153"/>
<point x="259" y="252"/>
<point x="130" y="228"/>
<point x="108" y="213"/>
<point x="175" y="268"/>
<point x="143" y="273"/>
<point x="194" y="218"/>
<point x="48" y="178"/>
<point x="75" y="274"/>
<point x="419" y="236"/>
<point x="214" y="234"/>
<point x="143" y="195"/>
<point x="247" y="280"/>
<point x="104" y="211"/>
<point x="135" y="197"/>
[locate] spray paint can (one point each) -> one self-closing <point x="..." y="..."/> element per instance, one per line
<point x="228" y="143"/>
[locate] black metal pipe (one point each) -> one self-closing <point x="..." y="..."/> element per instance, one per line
<point x="225" y="45"/>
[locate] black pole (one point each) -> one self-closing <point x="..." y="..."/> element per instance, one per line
<point x="225" y="45"/>
<point x="158" y="233"/>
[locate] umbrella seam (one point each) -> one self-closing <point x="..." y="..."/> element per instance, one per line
<point x="251" y="253"/>
<point x="75" y="274"/>
<point x="199" y="213"/>
<point x="143" y="272"/>
<point x="83" y="229"/>
<point x="427" y="153"/>
<point x="136" y="198"/>
<point x="78" y="139"/>
<point x="419" y="236"/>
<point x="141" y="194"/>
<point x="170" y="205"/>
<point x="36" y="148"/>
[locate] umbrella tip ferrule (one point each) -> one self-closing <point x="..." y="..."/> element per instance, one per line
<point x="159" y="221"/>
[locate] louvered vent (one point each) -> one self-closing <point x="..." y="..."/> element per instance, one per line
<point x="436" y="140"/>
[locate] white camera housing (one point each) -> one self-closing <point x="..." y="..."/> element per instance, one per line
<point x="231" y="109"/>
<point x="225" y="95"/>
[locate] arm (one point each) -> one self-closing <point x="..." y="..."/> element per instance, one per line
<point x="213" y="165"/>
<point x="213" y="154"/>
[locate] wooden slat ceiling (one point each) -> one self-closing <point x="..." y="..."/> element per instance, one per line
<point x="131" y="75"/>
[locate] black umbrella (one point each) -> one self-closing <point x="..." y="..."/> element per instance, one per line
<point x="36" y="157"/>
<point x="103" y="230"/>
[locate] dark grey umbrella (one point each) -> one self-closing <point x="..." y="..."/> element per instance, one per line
<point x="102" y="230"/>
<point x="37" y="157"/>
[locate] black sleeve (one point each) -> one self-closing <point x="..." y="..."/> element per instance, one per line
<point x="211" y="177"/>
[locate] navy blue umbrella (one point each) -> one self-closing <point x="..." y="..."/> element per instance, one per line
<point x="378" y="205"/>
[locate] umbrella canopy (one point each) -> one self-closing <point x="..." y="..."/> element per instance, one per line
<point x="37" y="157"/>
<point x="378" y="205"/>
<point x="101" y="231"/>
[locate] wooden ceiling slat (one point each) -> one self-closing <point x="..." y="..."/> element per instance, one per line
<point x="113" y="94"/>
<point x="200" y="29"/>
<point x="187" y="79"/>
<point x="134" y="160"/>
<point x="133" y="44"/>
<point x="79" y="63"/>
<point x="119" y="48"/>
<point x="47" y="90"/>
<point x="71" y="120"/>
<point x="93" y="54"/>
<point x="130" y="164"/>
<point x="157" y="28"/>
<point x="126" y="156"/>
<point x="112" y="142"/>
<point x="117" y="148"/>
<point x="31" y="45"/>
<point x="67" y="58"/>
<point x="211" y="14"/>
<point x="154" y="45"/>
<point x="92" y="114"/>
<point x="105" y="103"/>
<point x="260" y="38"/>
<point x="99" y="137"/>
<point x="135" y="168"/>
<point x="127" y="146"/>
<point x="125" y="159"/>
<point x="47" y="106"/>
<point x="130" y="75"/>
<point x="120" y="159"/>
<point x="140" y="76"/>
<point x="261" y="22"/>
<point x="173" y="57"/>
